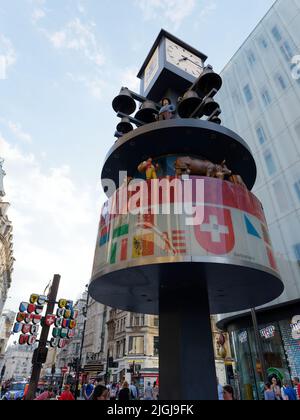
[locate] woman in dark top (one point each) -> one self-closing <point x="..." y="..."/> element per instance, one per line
<point x="124" y="394"/>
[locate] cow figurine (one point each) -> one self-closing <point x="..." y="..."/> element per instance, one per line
<point x="191" y="166"/>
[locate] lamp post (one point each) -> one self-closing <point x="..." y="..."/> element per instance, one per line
<point x="78" y="365"/>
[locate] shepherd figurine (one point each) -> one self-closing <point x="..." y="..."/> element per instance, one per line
<point x="149" y="168"/>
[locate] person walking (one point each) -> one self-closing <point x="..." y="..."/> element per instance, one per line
<point x="269" y="393"/>
<point x="46" y="395"/>
<point x="88" y="390"/>
<point x="124" y="393"/>
<point x="288" y="393"/>
<point x="228" y="393"/>
<point x="155" y="391"/>
<point x="134" y="394"/>
<point x="101" y="393"/>
<point x="148" y="395"/>
<point x="66" y="394"/>
<point x="276" y="388"/>
<point x="296" y="383"/>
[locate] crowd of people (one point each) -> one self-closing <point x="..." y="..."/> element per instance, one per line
<point x="119" y="391"/>
<point x="275" y="391"/>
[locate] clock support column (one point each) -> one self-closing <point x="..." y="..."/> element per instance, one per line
<point x="186" y="355"/>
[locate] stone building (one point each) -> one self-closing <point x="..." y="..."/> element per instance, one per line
<point x="6" y="245"/>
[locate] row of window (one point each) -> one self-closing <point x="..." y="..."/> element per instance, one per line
<point x="284" y="46"/>
<point x="135" y="346"/>
<point x="265" y="93"/>
<point x="136" y="320"/>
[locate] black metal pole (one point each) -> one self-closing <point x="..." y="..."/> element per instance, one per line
<point x="78" y="367"/>
<point x="186" y="354"/>
<point x="37" y="366"/>
<point x="107" y="365"/>
<point x="259" y="346"/>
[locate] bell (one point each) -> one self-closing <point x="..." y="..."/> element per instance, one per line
<point x="124" y="126"/>
<point x="147" y="112"/>
<point x="208" y="80"/>
<point x="188" y="104"/>
<point x="124" y="102"/>
<point x="210" y="107"/>
<point x="215" y="120"/>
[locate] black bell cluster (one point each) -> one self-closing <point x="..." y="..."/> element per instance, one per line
<point x="197" y="102"/>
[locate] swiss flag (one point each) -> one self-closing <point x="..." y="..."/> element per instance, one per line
<point x="216" y="233"/>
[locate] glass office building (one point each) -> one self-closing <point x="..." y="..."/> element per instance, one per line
<point x="260" y="100"/>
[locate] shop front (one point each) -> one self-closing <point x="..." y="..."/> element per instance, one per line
<point x="279" y="332"/>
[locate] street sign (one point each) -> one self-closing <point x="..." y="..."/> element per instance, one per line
<point x="64" y="369"/>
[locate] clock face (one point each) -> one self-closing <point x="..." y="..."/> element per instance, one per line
<point x="183" y="59"/>
<point x="151" y="69"/>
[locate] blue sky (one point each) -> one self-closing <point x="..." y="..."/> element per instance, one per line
<point x="65" y="61"/>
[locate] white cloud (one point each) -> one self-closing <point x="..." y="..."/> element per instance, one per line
<point x="8" y="54"/>
<point x="37" y="15"/>
<point x="208" y="9"/>
<point x="96" y="86"/>
<point x="17" y="130"/>
<point x="175" y="11"/>
<point x="54" y="221"/>
<point x="129" y="79"/>
<point x="79" y="37"/>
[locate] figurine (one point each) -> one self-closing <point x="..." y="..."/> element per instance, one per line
<point x="191" y="166"/>
<point x="167" y="110"/>
<point x="149" y="168"/>
<point x="237" y="180"/>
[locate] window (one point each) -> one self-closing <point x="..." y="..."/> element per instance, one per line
<point x="276" y="34"/>
<point x="137" y="320"/>
<point x="270" y="162"/>
<point x="248" y="93"/>
<point x="251" y="58"/>
<point x="287" y="51"/>
<point x="281" y="81"/>
<point x="297" y="188"/>
<point x="155" y="346"/>
<point x="280" y="195"/>
<point x="266" y="97"/>
<point x="297" y="252"/>
<point x="263" y="43"/>
<point x="261" y="135"/>
<point x="136" y="345"/>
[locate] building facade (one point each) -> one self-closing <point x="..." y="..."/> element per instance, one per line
<point x="261" y="101"/>
<point x="6" y="323"/>
<point x="18" y="362"/>
<point x="6" y="244"/>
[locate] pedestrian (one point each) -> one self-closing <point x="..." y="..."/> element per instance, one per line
<point x="148" y="395"/>
<point x="101" y="393"/>
<point x="269" y="393"/>
<point x="287" y="392"/>
<point x="88" y="390"/>
<point x="124" y="394"/>
<point x="113" y="392"/>
<point x="155" y="391"/>
<point x="46" y="395"/>
<point x="133" y="391"/>
<point x="220" y="391"/>
<point x="296" y="383"/>
<point x="228" y="393"/>
<point x="276" y="388"/>
<point x="66" y="394"/>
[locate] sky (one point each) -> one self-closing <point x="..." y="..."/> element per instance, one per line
<point x="65" y="60"/>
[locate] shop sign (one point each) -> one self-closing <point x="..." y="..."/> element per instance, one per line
<point x="243" y="337"/>
<point x="268" y="332"/>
